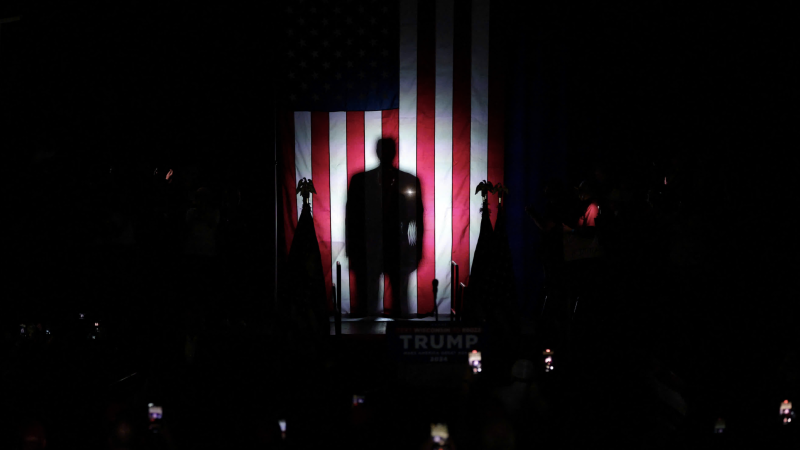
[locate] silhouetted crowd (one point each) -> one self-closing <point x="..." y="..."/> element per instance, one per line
<point x="158" y="308"/>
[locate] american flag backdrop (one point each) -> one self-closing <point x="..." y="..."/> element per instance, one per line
<point x="421" y="72"/>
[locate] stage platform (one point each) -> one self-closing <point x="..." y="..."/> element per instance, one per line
<point x="374" y="326"/>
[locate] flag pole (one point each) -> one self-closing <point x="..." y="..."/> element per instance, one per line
<point x="453" y="290"/>
<point x="338" y="305"/>
<point x="435" y="284"/>
<point x="335" y="316"/>
<point x="461" y="302"/>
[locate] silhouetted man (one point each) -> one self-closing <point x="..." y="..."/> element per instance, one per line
<point x="550" y="222"/>
<point x="383" y="232"/>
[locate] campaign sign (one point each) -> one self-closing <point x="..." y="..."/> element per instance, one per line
<point x="438" y="342"/>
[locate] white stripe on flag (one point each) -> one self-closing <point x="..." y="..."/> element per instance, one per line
<point x="302" y="151"/>
<point x="443" y="142"/>
<point x="407" y="152"/>
<point x="338" y="190"/>
<point x="479" y="107"/>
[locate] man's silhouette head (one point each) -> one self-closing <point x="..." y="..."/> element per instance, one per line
<point x="386" y="151"/>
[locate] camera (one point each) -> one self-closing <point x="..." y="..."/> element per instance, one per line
<point x="154" y="415"/>
<point x="475" y="361"/>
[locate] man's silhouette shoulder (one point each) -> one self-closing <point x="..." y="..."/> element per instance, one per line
<point x="407" y="179"/>
<point x="362" y="179"/>
<point x="357" y="179"/>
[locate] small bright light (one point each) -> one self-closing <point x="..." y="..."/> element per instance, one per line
<point x="149" y="405"/>
<point x="410" y="192"/>
<point x="96" y="324"/>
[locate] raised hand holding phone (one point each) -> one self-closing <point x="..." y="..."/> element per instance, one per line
<point x="548" y="360"/>
<point x="440" y="438"/>
<point x="154" y="415"/>
<point x="475" y="361"/>
<point x="282" y="424"/>
<point x="786" y="412"/>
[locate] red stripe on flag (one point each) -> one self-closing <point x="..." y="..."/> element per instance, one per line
<point x="321" y="203"/>
<point x="355" y="164"/>
<point x="495" y="157"/>
<point x="390" y="128"/>
<point x="462" y="98"/>
<point x="287" y="176"/>
<point x="426" y="110"/>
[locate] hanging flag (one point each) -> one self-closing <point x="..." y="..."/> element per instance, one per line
<point x="479" y="295"/>
<point x="302" y="293"/>
<point x="418" y="72"/>
<point x="491" y="296"/>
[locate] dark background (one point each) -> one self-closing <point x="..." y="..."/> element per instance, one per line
<point x="131" y="86"/>
<point x="633" y="85"/>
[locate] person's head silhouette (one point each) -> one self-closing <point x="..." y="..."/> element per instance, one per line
<point x="386" y="151"/>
